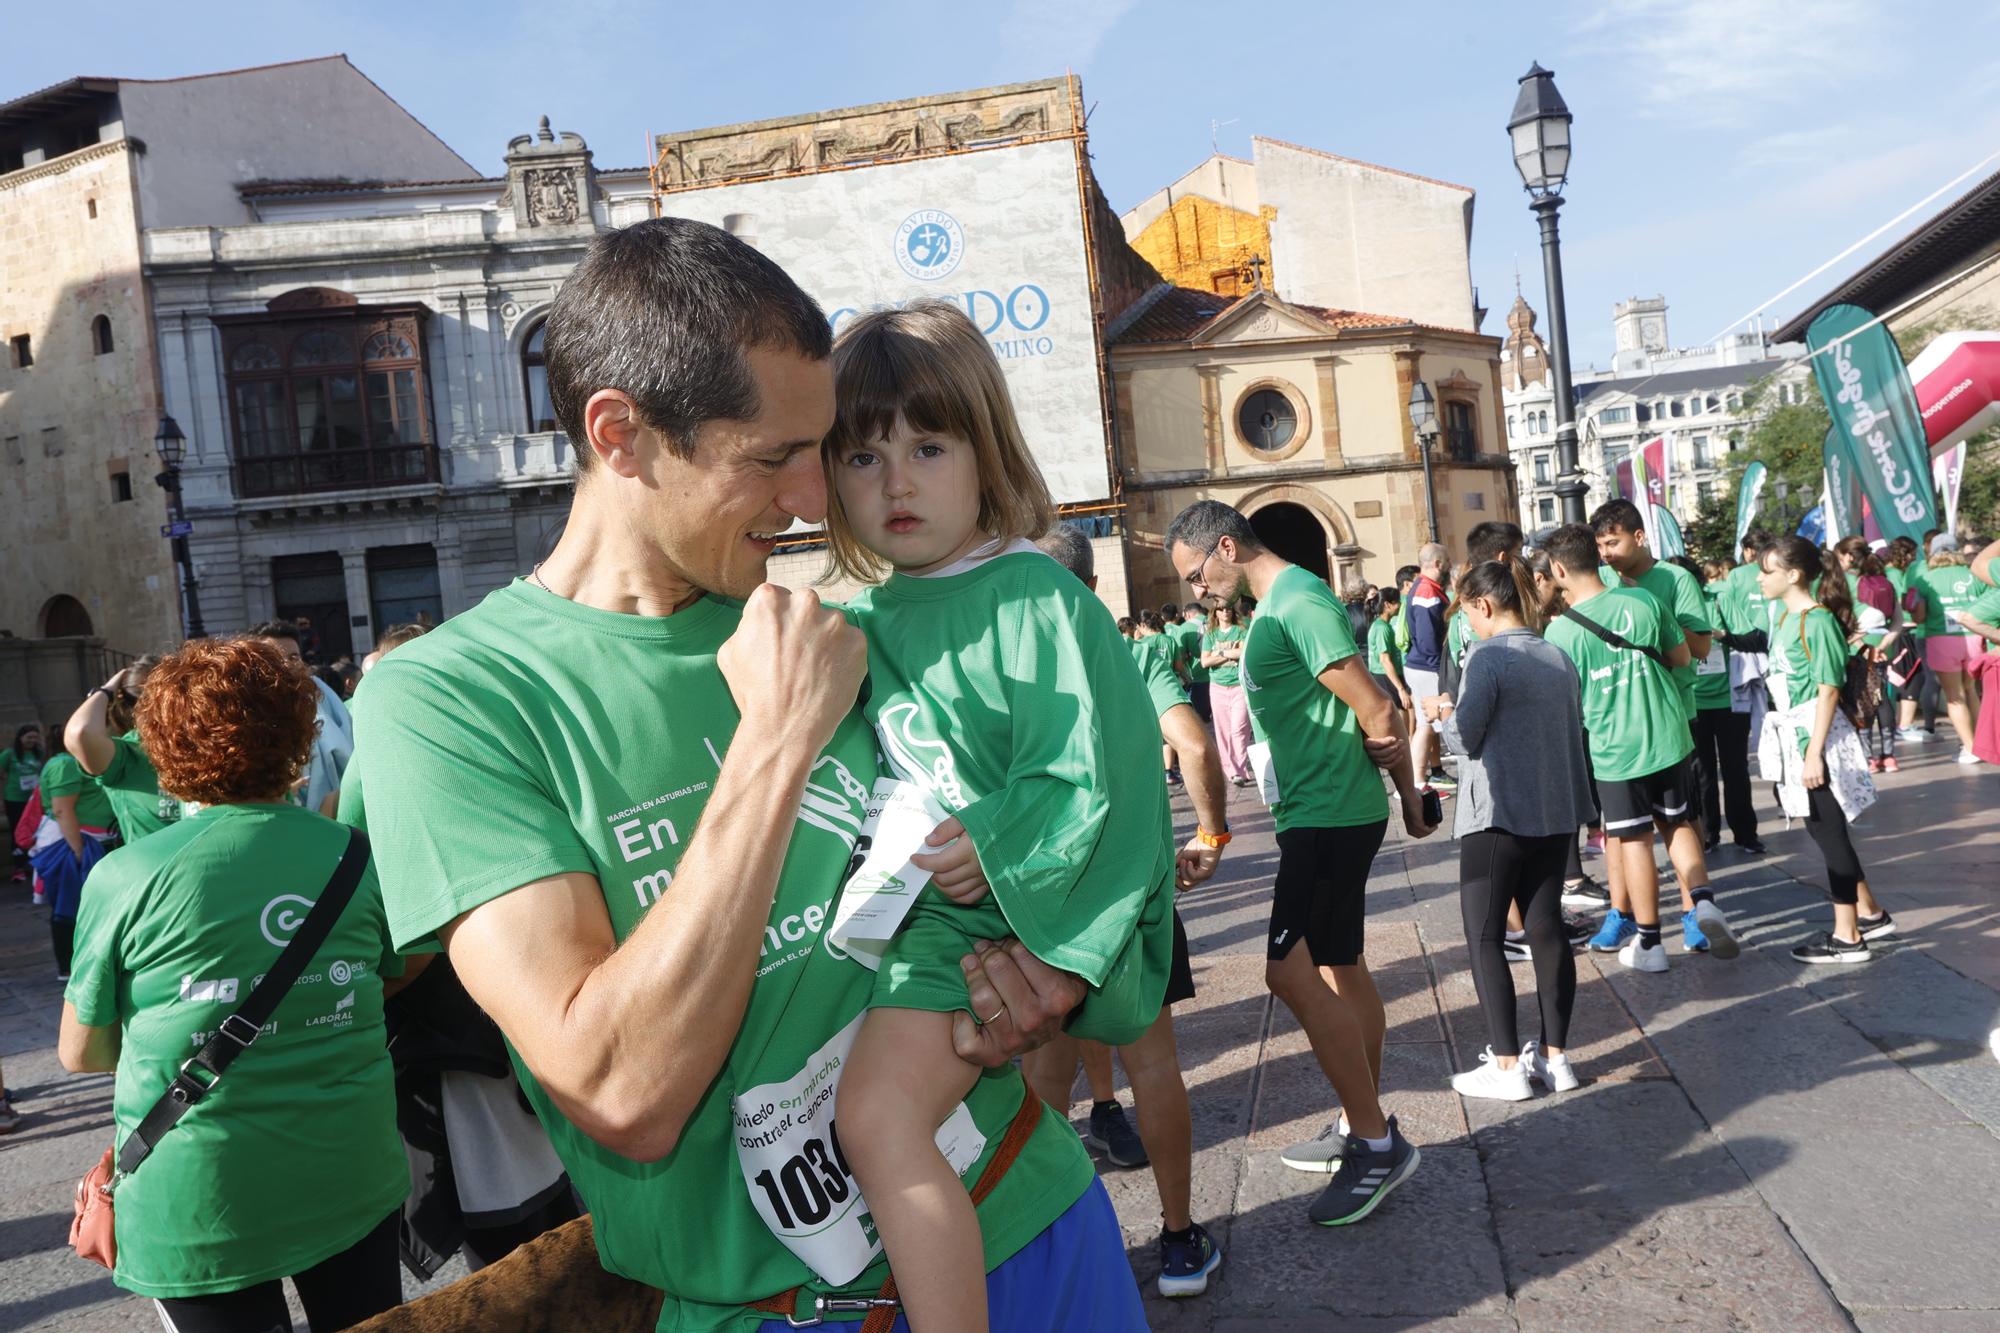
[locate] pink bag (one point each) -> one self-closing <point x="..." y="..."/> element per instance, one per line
<point x="91" y="1232"/>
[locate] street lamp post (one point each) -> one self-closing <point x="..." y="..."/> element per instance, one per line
<point x="1540" y="133"/>
<point x="1423" y="419"/>
<point x="172" y="447"/>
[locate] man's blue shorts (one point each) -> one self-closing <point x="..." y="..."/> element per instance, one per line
<point x="1072" y="1276"/>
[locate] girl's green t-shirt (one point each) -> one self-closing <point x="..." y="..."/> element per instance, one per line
<point x="295" y="1155"/>
<point x="1229" y="673"/>
<point x="1811" y="651"/>
<point x="63" y="776"/>
<point x="20" y="775"/>
<point x="1381" y="643"/>
<point x="132" y="786"/>
<point x="1946" y="588"/>
<point x="1711" y="675"/>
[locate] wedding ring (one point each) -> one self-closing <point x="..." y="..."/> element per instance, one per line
<point x="998" y="1014"/>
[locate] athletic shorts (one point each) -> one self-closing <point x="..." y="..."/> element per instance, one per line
<point x="1322" y="891"/>
<point x="1072" y="1276"/>
<point x="1950" y="652"/>
<point x="1180" y="973"/>
<point x="1422" y="685"/>
<point x="1634" y="803"/>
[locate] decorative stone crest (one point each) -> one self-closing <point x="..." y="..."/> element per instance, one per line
<point x="551" y="195"/>
<point x="549" y="178"/>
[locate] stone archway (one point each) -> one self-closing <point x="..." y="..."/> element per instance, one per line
<point x="1336" y="558"/>
<point x="64" y="617"/>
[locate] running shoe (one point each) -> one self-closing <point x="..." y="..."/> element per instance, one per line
<point x="1364" y="1179"/>
<point x="1874" y="764"/>
<point x="1824" y="948"/>
<point x="1577" y="927"/>
<point x="1877" y="927"/>
<point x="1721" y="939"/>
<point x="1612" y="934"/>
<point x="1173" y="777"/>
<point x="1751" y="846"/>
<point x="41" y="898"/>
<point x="1515" y="951"/>
<point x="1585" y="892"/>
<point x="1112" y="1134"/>
<point x="1968" y="758"/>
<point x="1913" y="735"/>
<point x="1490" y="1080"/>
<point x="10" y="1119"/>
<point x="1553" y="1072"/>
<point x="1643" y="958"/>
<point x="1692" y="940"/>
<point x="1185" y="1265"/>
<point x="1709" y="845"/>
<point x="1443" y="781"/>
<point x="1889" y="764"/>
<point x="1319" y="1155"/>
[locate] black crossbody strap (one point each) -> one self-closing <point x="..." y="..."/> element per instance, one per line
<point x="235" y="1034"/>
<point x="1615" y="639"/>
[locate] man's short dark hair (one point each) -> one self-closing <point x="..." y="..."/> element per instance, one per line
<point x="1759" y="540"/>
<point x="274" y="629"/>
<point x="1573" y="546"/>
<point x="663" y="311"/>
<point x="1406" y="575"/>
<point x="1389" y="597"/>
<point x="1194" y="609"/>
<point x="1614" y="515"/>
<point x="1067" y="546"/>
<point x="1205" y="522"/>
<point x="1488" y="540"/>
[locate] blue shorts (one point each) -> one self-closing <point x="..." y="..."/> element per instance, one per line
<point x="1072" y="1276"/>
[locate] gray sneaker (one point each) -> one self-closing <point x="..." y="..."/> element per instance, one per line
<point x="10" y="1119"/>
<point x="1365" y="1178"/>
<point x="1320" y="1155"/>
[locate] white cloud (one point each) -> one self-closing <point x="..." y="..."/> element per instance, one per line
<point x="1049" y="36"/>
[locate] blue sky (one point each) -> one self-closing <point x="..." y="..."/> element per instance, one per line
<point x="1724" y="147"/>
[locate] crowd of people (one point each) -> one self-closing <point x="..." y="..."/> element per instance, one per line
<point x="785" y="978"/>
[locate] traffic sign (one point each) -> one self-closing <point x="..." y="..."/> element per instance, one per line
<point x="182" y="528"/>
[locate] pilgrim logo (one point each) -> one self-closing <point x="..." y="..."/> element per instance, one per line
<point x="280" y="921"/>
<point x="929" y="244"/>
<point x="920" y="759"/>
<point x="878" y="882"/>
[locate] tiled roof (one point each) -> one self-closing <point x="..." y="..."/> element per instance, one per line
<point x="265" y="189"/>
<point x="1176" y="314"/>
<point x="1681" y="381"/>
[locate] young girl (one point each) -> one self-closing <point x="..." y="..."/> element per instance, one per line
<point x="1943" y="590"/>
<point x="999" y="688"/>
<point x="1222" y="654"/>
<point x="1809" y="740"/>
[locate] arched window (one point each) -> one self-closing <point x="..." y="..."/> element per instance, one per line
<point x="100" y="335"/>
<point x="535" y="382"/>
<point x="64" y="617"/>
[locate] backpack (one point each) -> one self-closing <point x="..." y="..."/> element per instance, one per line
<point x="1861" y="692"/>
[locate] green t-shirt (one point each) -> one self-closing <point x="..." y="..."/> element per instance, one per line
<point x="20" y="774"/>
<point x="1229" y="673"/>
<point x="1632" y="708"/>
<point x="1324" y="777"/>
<point x="1677" y="592"/>
<point x="1985" y="609"/>
<point x="133" y="789"/>
<point x="1458" y="636"/>
<point x="1163" y="687"/>
<point x="1003" y="691"/>
<point x="1381" y="640"/>
<point x="1946" y="588"/>
<point x="295" y="1156"/>
<point x="530" y="737"/>
<point x="1808" y="651"/>
<point x="1742" y="603"/>
<point x="63" y="776"/>
<point x="1189" y="634"/>
<point x="1711" y="675"/>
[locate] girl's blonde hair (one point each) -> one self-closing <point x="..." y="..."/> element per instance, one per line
<point x="927" y="364"/>
<point x="1940" y="559"/>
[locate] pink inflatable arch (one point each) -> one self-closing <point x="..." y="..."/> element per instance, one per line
<point x="1957" y="379"/>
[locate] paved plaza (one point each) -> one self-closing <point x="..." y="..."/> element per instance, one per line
<point x="1756" y="1144"/>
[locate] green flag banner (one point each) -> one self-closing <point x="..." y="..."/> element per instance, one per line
<point x="1867" y="391"/>
<point x="1672" y="543"/>
<point x="1747" y="496"/>
<point x="1843" y="486"/>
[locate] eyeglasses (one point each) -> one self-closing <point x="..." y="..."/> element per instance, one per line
<point x="1198" y="579"/>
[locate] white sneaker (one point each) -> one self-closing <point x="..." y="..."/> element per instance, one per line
<point x="1490" y="1080"/>
<point x="1967" y="757"/>
<point x="1721" y="939"/>
<point x="1553" y="1072"/>
<point x="1913" y="736"/>
<point x="1639" y="959"/>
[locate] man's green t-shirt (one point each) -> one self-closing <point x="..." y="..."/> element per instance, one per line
<point x="1458" y="636"/>
<point x="20" y="775"/>
<point x="1229" y="673"/>
<point x="133" y="789"/>
<point x="1632" y="709"/>
<point x="531" y="737"/>
<point x="1324" y="776"/>
<point x="1711" y="675"/>
<point x="1189" y="634"/>
<point x="1163" y="687"/>
<point x="1945" y="588"/>
<point x="295" y="1156"/>
<point x="1003" y="692"/>
<point x="1809" y="651"/>
<point x="1744" y="609"/>
<point x="1677" y="592"/>
<point x="63" y="776"/>
<point x="1381" y="642"/>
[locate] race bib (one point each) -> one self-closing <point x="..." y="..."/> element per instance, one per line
<point x="29" y="781"/>
<point x="789" y="1150"/>
<point x="879" y="893"/>
<point x="1265" y="769"/>
<point x="1715" y="664"/>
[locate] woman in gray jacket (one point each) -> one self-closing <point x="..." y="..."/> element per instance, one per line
<point x="1523" y="791"/>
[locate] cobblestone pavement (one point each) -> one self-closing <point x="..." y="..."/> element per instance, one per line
<point x="1756" y="1144"/>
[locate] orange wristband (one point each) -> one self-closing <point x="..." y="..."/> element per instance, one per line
<point x="1215" y="840"/>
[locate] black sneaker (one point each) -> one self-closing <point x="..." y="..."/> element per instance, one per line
<point x="1751" y="846"/>
<point x="1185" y="1265"/>
<point x="1516" y="951"/>
<point x="1577" y="927"/>
<point x="1876" y="927"/>
<point x="1586" y="892"/>
<point x="1709" y="846"/>
<point x="1826" y="949"/>
<point x="1112" y="1134"/>
<point x="1364" y="1179"/>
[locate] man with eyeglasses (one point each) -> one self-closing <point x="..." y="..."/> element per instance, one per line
<point x="1323" y="728"/>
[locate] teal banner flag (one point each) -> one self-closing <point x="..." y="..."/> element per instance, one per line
<point x="1867" y="391"/>
<point x="1748" y="496"/>
<point x="1672" y="543"/>
<point x="1843" y="486"/>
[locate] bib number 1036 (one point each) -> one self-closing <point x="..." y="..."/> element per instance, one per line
<point x="810" y="1185"/>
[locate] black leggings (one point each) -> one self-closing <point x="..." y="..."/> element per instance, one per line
<point x="358" y="1283"/>
<point x="1722" y="744"/>
<point x="1826" y="823"/>
<point x="62" y="938"/>
<point x="1496" y="868"/>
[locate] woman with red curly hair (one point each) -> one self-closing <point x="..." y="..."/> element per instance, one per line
<point x="292" y="1167"/>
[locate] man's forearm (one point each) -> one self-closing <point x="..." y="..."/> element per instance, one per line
<point x="1201" y="766"/>
<point x="88" y="734"/>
